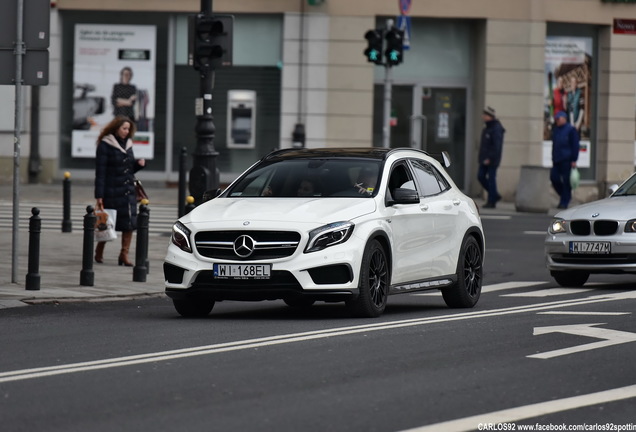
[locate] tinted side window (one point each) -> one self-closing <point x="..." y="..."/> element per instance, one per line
<point x="431" y="182"/>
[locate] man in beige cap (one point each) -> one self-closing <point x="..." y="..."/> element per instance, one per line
<point x="490" y="149"/>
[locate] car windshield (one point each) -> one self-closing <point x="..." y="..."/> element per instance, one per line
<point x="627" y="188"/>
<point x="342" y="177"/>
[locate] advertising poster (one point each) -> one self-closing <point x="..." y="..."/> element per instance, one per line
<point x="114" y="73"/>
<point x="568" y="82"/>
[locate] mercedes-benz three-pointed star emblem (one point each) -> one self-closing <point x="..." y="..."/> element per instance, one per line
<point x="244" y="246"/>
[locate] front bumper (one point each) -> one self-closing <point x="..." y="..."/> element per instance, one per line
<point x="622" y="258"/>
<point x="329" y="275"/>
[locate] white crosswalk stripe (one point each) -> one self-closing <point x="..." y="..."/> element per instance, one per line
<point x="162" y="217"/>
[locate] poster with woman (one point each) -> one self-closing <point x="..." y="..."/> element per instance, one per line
<point x="568" y="88"/>
<point x="113" y="74"/>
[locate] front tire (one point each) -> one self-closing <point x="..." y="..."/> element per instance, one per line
<point x="374" y="283"/>
<point x="466" y="291"/>
<point x="193" y="308"/>
<point x="571" y="279"/>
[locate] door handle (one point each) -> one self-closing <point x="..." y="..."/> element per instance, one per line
<point x="456" y="202"/>
<point x="424" y="207"/>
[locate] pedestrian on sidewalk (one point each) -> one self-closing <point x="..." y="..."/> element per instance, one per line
<point x="490" y="149"/>
<point x="565" y="153"/>
<point x="115" y="168"/>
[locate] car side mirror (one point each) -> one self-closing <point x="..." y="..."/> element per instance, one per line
<point x="613" y="188"/>
<point x="404" y="196"/>
<point x="210" y="195"/>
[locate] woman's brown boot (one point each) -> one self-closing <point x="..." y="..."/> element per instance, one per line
<point x="99" y="252"/>
<point x="126" y="238"/>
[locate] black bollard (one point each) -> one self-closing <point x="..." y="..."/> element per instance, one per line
<point x="182" y="180"/>
<point x="35" y="228"/>
<point x="87" y="276"/>
<point x="141" y="251"/>
<point x="67" y="224"/>
<point x="189" y="204"/>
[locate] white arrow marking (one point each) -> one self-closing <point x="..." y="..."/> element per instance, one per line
<point x="612" y="337"/>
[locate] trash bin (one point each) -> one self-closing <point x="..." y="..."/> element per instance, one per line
<point x="533" y="189"/>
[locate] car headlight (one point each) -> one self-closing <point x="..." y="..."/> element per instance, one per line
<point x="558" y="226"/>
<point x="630" y="226"/>
<point x="329" y="235"/>
<point x="181" y="237"/>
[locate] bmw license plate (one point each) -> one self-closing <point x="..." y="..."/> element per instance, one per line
<point x="242" y="271"/>
<point x="590" y="247"/>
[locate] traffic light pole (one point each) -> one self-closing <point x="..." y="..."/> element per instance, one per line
<point x="388" y="89"/>
<point x="204" y="174"/>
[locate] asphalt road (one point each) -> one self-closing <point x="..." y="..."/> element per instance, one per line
<point x="530" y="353"/>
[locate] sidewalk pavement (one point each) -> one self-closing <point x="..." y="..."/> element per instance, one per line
<point x="60" y="260"/>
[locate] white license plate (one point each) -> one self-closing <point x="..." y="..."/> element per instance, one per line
<point x="590" y="247"/>
<point x="242" y="271"/>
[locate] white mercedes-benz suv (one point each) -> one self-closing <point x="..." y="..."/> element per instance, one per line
<point x="352" y="225"/>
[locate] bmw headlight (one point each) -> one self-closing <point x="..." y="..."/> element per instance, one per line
<point x="329" y="235"/>
<point x="181" y="237"/>
<point x="630" y="226"/>
<point x="558" y="226"/>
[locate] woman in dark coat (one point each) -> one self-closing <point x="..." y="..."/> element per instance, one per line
<point x="115" y="168"/>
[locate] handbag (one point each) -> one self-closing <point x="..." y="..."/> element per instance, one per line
<point x="105" y="225"/>
<point x="575" y="178"/>
<point x="140" y="191"/>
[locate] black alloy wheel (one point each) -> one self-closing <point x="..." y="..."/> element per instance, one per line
<point x="374" y="283"/>
<point x="466" y="291"/>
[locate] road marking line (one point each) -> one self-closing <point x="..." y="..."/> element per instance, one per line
<point x="611" y="337"/>
<point x="536" y="232"/>
<point x="530" y="411"/>
<point x="549" y="292"/>
<point x="582" y="313"/>
<point x="41" y="372"/>
<point x="492" y="287"/>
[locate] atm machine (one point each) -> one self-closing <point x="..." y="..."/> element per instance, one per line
<point x="241" y="119"/>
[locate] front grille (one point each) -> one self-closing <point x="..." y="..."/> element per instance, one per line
<point x="605" y="227"/>
<point x="599" y="227"/>
<point x="265" y="244"/>
<point x="580" y="227"/>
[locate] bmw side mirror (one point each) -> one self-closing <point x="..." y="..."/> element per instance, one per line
<point x="613" y="188"/>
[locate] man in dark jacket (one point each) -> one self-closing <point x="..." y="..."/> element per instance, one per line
<point x="490" y="149"/>
<point x="565" y="153"/>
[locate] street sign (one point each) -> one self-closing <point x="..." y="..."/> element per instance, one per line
<point x="405" y="6"/>
<point x="36" y="18"/>
<point x="35" y="68"/>
<point x="404" y="24"/>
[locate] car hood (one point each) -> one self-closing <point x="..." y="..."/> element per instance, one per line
<point x="281" y="210"/>
<point x="618" y="208"/>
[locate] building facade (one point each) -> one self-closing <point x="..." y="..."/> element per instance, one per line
<point x="301" y="62"/>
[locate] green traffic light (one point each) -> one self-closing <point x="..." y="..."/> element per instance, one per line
<point x="374" y="55"/>
<point x="394" y="55"/>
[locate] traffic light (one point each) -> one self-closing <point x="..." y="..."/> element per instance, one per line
<point x="373" y="53"/>
<point x="211" y="41"/>
<point x="394" y="47"/>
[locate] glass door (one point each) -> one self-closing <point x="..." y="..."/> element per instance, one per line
<point x="442" y="126"/>
<point x="429" y="118"/>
